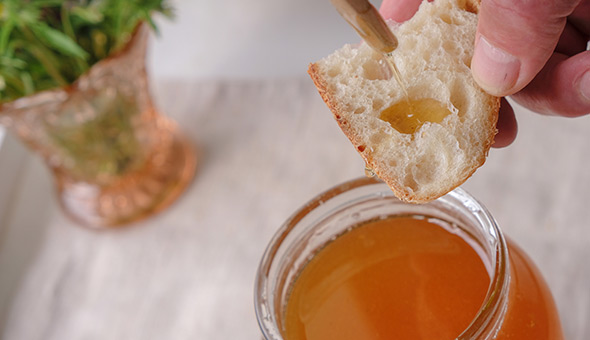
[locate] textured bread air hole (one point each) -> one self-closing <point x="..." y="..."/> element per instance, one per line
<point x="373" y="70"/>
<point x="428" y="56"/>
<point x="446" y="18"/>
<point x="459" y="98"/>
<point x="426" y="174"/>
<point x="469" y="6"/>
<point x="334" y="71"/>
<point x="359" y="110"/>
<point x="410" y="182"/>
<point x="450" y="47"/>
<point x="376" y="138"/>
<point x="377" y="105"/>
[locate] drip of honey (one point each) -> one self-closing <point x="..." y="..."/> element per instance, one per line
<point x="396" y="74"/>
<point x="409" y="115"/>
<point x="397" y="278"/>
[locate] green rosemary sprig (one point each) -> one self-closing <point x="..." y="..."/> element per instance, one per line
<point x="46" y="44"/>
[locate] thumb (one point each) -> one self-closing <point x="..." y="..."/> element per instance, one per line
<point x="514" y="41"/>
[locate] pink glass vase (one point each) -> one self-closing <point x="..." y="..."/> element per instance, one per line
<point x="114" y="158"/>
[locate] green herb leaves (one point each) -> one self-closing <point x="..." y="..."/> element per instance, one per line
<point x="49" y="43"/>
<point x="58" y="41"/>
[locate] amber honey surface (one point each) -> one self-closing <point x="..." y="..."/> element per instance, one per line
<point x="398" y="278"/>
<point x="408" y="278"/>
<point x="407" y="116"/>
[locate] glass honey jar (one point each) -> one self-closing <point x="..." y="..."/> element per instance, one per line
<point x="357" y="263"/>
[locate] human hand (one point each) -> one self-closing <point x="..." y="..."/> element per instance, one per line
<point x="534" y="51"/>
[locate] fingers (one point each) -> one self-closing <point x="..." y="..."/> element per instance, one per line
<point x="515" y="39"/>
<point x="561" y="88"/>
<point x="399" y="10"/>
<point x="506" y="125"/>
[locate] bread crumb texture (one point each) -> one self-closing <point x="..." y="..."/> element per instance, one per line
<point x="433" y="58"/>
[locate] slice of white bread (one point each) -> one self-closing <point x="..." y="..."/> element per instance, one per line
<point x="433" y="57"/>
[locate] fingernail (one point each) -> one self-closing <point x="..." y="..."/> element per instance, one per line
<point x="584" y="85"/>
<point x="494" y="69"/>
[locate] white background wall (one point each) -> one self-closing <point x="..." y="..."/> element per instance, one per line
<point x="247" y="38"/>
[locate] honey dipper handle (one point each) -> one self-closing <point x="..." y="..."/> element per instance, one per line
<point x="368" y="23"/>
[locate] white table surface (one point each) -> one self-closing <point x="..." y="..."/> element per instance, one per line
<point x="268" y="145"/>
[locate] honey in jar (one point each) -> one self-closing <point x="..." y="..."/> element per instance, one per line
<point x="357" y="263"/>
<point x="393" y="278"/>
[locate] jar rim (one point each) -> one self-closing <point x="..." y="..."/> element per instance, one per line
<point x="489" y="317"/>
